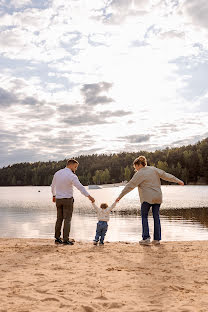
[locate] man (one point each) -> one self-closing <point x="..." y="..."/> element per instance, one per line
<point x="62" y="190"/>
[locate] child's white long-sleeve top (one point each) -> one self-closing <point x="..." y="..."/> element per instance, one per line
<point x="103" y="214"/>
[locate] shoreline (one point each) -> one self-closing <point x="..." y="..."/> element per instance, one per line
<point x="107" y="185"/>
<point x="37" y="275"/>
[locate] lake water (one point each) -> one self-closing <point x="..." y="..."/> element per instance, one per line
<point x="28" y="212"/>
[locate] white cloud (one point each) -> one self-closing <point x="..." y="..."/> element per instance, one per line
<point x="20" y="3"/>
<point x="197" y="12"/>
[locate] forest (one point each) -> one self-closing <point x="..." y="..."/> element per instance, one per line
<point x="188" y="163"/>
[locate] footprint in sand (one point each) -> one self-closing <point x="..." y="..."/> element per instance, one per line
<point x="64" y="306"/>
<point x="18" y="282"/>
<point x="50" y="299"/>
<point x="114" y="269"/>
<point x="41" y="291"/>
<point x="39" y="274"/>
<point x="87" y="309"/>
<point x="3" y="288"/>
<point x="101" y="298"/>
<point x="115" y="305"/>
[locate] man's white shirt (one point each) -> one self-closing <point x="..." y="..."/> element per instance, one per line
<point x="63" y="182"/>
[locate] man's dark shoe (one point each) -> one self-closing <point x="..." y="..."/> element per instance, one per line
<point x="58" y="241"/>
<point x="68" y="243"/>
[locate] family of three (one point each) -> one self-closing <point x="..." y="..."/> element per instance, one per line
<point x="146" y="178"/>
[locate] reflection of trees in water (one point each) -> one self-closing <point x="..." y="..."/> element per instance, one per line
<point x="131" y="212"/>
<point x="193" y="214"/>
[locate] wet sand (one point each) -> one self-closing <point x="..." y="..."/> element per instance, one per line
<point x="36" y="275"/>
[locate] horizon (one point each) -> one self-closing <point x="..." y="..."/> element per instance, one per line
<point x="101" y="77"/>
<point x="88" y="155"/>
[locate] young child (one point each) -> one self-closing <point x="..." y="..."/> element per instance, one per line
<point x="103" y="215"/>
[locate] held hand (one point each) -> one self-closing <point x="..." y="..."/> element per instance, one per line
<point x="54" y="199"/>
<point x="181" y="183"/>
<point x="91" y="199"/>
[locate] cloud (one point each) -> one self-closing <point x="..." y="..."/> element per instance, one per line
<point x="168" y="128"/>
<point x="88" y="151"/>
<point x="36" y="114"/>
<point x="65" y="108"/>
<point x="11" y="39"/>
<point x="136" y="138"/>
<point x="118" y="113"/>
<point x="117" y="11"/>
<point x="20" y="155"/>
<point x="7" y="98"/>
<point x="90" y="118"/>
<point x="29" y="100"/>
<point x="191" y="140"/>
<point x="17" y="4"/>
<point x="92" y="93"/>
<point x="172" y="34"/>
<point x="203" y="106"/>
<point x="10" y="136"/>
<point x="197" y="12"/>
<point x="139" y="43"/>
<point x="38" y="144"/>
<point x="9" y="147"/>
<point x="84" y="119"/>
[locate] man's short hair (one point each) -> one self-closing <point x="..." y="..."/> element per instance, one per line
<point x="72" y="161"/>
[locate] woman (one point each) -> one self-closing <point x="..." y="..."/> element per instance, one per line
<point x="147" y="179"/>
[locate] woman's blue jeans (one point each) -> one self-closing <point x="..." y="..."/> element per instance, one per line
<point x="156" y="216"/>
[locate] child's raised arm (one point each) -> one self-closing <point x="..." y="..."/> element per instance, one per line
<point x="95" y="206"/>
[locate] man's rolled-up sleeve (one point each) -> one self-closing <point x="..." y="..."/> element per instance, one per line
<point x="53" y="186"/>
<point x="79" y="186"/>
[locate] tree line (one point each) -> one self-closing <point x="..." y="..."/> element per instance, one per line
<point x="188" y="163"/>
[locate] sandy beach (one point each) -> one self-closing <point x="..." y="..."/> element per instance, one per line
<point x="36" y="275"/>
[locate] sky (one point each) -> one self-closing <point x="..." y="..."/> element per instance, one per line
<point x="79" y="77"/>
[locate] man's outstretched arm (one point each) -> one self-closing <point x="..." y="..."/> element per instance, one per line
<point x="81" y="188"/>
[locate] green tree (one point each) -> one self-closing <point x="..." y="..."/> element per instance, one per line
<point x="97" y="177"/>
<point x="13" y="180"/>
<point x="105" y="176"/>
<point x="162" y="165"/>
<point x="127" y="173"/>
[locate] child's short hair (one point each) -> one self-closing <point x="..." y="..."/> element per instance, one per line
<point x="103" y="206"/>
